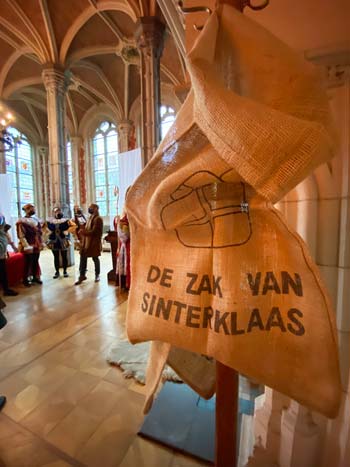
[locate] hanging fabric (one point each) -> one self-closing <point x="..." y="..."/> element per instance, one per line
<point x="215" y="268"/>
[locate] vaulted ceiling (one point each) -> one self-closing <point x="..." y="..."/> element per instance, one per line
<point x="94" y="41"/>
<point x="91" y="39"/>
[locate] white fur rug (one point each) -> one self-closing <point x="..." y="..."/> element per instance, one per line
<point x="132" y="360"/>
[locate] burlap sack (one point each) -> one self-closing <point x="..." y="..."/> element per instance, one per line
<point x="196" y="370"/>
<point x="215" y="268"/>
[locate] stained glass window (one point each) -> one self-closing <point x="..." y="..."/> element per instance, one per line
<point x="167" y="117"/>
<point x="19" y="164"/>
<point x="106" y="169"/>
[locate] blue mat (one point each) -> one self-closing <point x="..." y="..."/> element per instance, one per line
<point x="180" y="419"/>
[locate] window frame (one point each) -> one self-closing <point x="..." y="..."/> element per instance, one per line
<point x="104" y="134"/>
<point x="19" y="138"/>
<point x="70" y="180"/>
<point x="169" y="112"/>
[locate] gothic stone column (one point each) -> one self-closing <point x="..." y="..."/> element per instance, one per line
<point x="76" y="143"/>
<point x="42" y="186"/>
<point x="44" y="161"/>
<point x="56" y="83"/>
<point x="150" y="40"/>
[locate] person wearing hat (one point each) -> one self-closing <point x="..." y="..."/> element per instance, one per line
<point x="30" y="243"/>
<point x="3" y="256"/>
<point x="91" y="243"/>
<point x="58" y="241"/>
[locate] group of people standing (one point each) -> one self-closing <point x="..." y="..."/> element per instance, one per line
<point x="31" y="232"/>
<point x="87" y="232"/>
<point x="88" y="235"/>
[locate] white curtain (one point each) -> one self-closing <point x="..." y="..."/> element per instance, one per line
<point x="5" y="202"/>
<point x="130" y="166"/>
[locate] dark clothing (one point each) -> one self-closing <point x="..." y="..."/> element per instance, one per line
<point x="83" y="265"/>
<point x="58" y="240"/>
<point x="56" y="254"/>
<point x="3" y="275"/>
<point x="31" y="265"/>
<point x="80" y="222"/>
<point x="3" y="320"/>
<point x="30" y="243"/>
<point x="91" y="244"/>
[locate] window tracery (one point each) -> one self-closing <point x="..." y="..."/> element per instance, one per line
<point x="19" y="163"/>
<point x="105" y="167"/>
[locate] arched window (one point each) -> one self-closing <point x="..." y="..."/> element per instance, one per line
<point x="167" y="117"/>
<point x="19" y="163"/>
<point x="106" y="169"/>
<point x="70" y="176"/>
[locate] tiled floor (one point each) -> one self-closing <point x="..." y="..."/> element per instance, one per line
<point x="66" y="406"/>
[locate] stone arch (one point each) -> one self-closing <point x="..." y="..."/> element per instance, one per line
<point x="94" y="116"/>
<point x="23" y="126"/>
<point x="126" y="7"/>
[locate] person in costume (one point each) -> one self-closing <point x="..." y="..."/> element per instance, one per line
<point x="79" y="221"/>
<point x="3" y="256"/>
<point x="58" y="241"/>
<point x="29" y="234"/>
<point x="123" y="251"/>
<point x="91" y="243"/>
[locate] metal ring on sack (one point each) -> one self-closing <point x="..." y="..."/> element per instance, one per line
<point x="257" y="7"/>
<point x="194" y="9"/>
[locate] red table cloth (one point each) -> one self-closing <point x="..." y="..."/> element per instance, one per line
<point x="15" y="268"/>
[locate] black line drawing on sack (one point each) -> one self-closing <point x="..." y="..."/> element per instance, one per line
<point x="201" y="219"/>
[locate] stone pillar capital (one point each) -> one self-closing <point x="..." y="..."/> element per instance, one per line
<point x="125" y="125"/>
<point x="125" y="130"/>
<point x="43" y="150"/>
<point x="149" y="35"/>
<point x="76" y="140"/>
<point x="55" y="79"/>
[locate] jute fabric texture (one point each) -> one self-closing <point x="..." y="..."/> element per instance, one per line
<point x="215" y="268"/>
